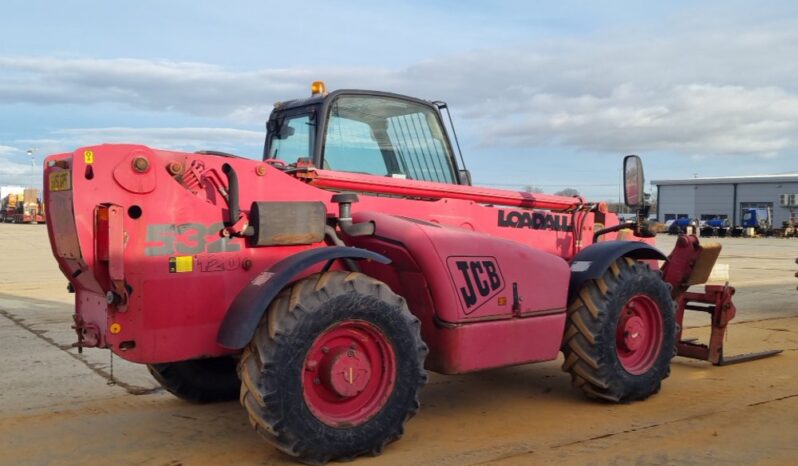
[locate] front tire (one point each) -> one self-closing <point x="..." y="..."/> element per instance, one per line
<point x="621" y="332"/>
<point x="335" y="368"/>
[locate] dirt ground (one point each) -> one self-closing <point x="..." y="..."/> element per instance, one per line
<point x="57" y="407"/>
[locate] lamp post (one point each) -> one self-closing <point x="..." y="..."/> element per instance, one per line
<point x="30" y="153"/>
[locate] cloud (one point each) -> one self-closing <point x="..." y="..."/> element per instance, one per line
<point x="167" y="138"/>
<point x="192" y="88"/>
<point x="185" y="139"/>
<point x="16" y="168"/>
<point x="8" y="150"/>
<point x="691" y="119"/>
<point x="9" y="168"/>
<point x="724" y="88"/>
<point x="16" y="173"/>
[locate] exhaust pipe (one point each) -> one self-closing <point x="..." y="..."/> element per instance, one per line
<point x="232" y="195"/>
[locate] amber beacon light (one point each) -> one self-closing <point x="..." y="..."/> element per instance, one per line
<point x="318" y="88"/>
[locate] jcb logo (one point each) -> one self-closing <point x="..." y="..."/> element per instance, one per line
<point x="477" y="279"/>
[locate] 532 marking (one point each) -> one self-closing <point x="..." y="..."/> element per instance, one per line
<point x="186" y="239"/>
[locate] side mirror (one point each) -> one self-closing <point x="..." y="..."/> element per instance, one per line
<point x="633" y="182"/>
<point x="285" y="132"/>
<point x="465" y="177"/>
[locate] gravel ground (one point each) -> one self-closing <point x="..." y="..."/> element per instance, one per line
<point x="57" y="406"/>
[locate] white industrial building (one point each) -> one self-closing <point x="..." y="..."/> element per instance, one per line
<point x="728" y="197"/>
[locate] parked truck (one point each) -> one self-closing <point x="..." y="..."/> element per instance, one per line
<point x="8" y="201"/>
<point x="22" y="205"/>
<point x="755" y="222"/>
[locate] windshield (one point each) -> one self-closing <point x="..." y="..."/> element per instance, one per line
<point x="386" y="136"/>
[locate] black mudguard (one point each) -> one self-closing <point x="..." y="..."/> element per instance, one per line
<point x="248" y="307"/>
<point x="591" y="262"/>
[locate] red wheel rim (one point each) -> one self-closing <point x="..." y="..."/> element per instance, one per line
<point x="638" y="337"/>
<point x="348" y="374"/>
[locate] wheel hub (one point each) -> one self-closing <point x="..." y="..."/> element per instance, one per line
<point x="638" y="336"/>
<point x="348" y="373"/>
<point x="634" y="333"/>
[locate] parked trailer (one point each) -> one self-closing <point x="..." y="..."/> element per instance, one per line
<point x="715" y="227"/>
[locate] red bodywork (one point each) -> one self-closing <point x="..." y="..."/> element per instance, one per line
<point x="485" y="270"/>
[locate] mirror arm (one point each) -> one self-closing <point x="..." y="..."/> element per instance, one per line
<point x="642" y="225"/>
<point x="620" y="226"/>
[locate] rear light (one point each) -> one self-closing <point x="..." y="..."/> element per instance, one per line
<point x="101" y="234"/>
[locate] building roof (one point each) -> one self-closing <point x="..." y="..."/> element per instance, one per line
<point x="780" y="178"/>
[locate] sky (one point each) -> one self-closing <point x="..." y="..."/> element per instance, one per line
<point x="550" y="94"/>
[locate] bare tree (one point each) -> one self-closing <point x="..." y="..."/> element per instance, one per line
<point x="567" y="192"/>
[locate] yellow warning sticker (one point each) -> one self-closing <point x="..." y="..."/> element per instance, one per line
<point x="181" y="264"/>
<point x="88" y="157"/>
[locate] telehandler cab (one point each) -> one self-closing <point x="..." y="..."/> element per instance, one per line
<point x="320" y="284"/>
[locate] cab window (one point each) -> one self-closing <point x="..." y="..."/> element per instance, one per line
<point x="292" y="139"/>
<point x="351" y="146"/>
<point x="386" y="136"/>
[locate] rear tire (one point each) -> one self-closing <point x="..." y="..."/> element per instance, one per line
<point x="621" y="331"/>
<point x="199" y="380"/>
<point x="334" y="369"/>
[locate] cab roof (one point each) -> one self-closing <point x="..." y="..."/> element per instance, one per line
<point x="321" y="98"/>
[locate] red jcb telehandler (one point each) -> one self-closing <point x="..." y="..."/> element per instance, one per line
<point x="320" y="284"/>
